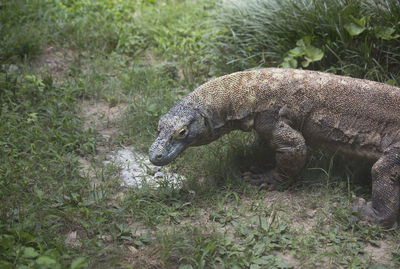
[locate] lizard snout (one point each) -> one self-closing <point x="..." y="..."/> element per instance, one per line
<point x="157" y="154"/>
<point x="163" y="152"/>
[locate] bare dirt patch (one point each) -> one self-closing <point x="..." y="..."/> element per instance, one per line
<point x="73" y="239"/>
<point x="135" y="168"/>
<point x="55" y="60"/>
<point x="101" y="117"/>
<point x="143" y="258"/>
<point x="288" y="259"/>
<point x="381" y="253"/>
<point x="291" y="207"/>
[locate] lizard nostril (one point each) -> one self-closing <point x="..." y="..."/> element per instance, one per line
<point x="158" y="156"/>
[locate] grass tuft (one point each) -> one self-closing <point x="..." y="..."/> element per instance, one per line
<point x="263" y="33"/>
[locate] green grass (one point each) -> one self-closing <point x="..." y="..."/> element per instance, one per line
<point x="263" y="33"/>
<point x="41" y="141"/>
<point x="148" y="55"/>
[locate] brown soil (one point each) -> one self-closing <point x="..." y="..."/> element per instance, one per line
<point x="381" y="253"/>
<point x="100" y="116"/>
<point x="55" y="60"/>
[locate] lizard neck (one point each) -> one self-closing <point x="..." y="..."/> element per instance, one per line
<point x="229" y="102"/>
<point x="245" y="125"/>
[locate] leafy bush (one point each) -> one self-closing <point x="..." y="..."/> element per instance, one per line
<point x="349" y="37"/>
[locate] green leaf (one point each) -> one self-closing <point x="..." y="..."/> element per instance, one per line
<point x="146" y="238"/>
<point x="282" y="265"/>
<point x="264" y="260"/>
<point x="314" y="54"/>
<point x="152" y="108"/>
<point x="30" y="253"/>
<point x="361" y="22"/>
<point x="300" y="43"/>
<point x="259" y="248"/>
<point x="385" y="33"/>
<point x="296" y="52"/>
<point x="293" y="63"/>
<point x="254" y="266"/>
<point x="307" y="40"/>
<point x="185" y="266"/>
<point x="390" y="82"/>
<point x="6" y="241"/>
<point x="78" y="263"/>
<point x="21" y="266"/>
<point x="306" y="62"/>
<point x="284" y="65"/>
<point x="45" y="261"/>
<point x="354" y="29"/>
<point x="378" y="266"/>
<point x="289" y="62"/>
<point x="6" y="265"/>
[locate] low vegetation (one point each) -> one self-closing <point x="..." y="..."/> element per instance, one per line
<point x="61" y="207"/>
<point x="356" y="38"/>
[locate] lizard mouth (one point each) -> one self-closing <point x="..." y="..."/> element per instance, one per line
<point x="161" y="155"/>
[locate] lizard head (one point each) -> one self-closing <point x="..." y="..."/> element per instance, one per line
<point x="180" y="128"/>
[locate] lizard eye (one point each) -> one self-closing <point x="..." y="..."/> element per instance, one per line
<point x="182" y="133"/>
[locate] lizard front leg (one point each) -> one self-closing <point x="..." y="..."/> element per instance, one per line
<point x="290" y="155"/>
<point x="385" y="205"/>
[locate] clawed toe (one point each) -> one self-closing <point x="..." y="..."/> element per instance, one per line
<point x="354" y="220"/>
<point x="247" y="176"/>
<point x="358" y="204"/>
<point x="265" y="180"/>
<point x="265" y="186"/>
<point x="365" y="210"/>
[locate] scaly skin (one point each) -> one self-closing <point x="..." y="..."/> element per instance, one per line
<point x="292" y="109"/>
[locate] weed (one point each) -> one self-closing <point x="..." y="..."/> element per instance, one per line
<point x="40" y="142"/>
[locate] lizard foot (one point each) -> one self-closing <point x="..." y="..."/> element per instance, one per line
<point x="365" y="210"/>
<point x="263" y="179"/>
<point x="370" y="215"/>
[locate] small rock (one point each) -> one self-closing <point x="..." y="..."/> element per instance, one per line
<point x="311" y="213"/>
<point x="138" y="231"/>
<point x="119" y="195"/>
<point x="155" y="168"/>
<point x="12" y="68"/>
<point x="73" y="239"/>
<point x="159" y="175"/>
<point x="106" y="137"/>
<point x="132" y="249"/>
<point x="106" y="238"/>
<point x="192" y="192"/>
<point x="202" y="181"/>
<point x="113" y="203"/>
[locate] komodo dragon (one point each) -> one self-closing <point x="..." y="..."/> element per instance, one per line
<point x="292" y="108"/>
